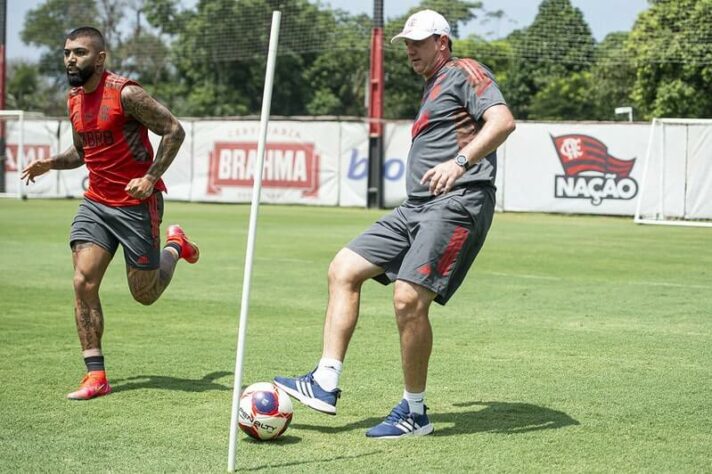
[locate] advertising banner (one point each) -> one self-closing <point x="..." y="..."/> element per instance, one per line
<point x="574" y="167"/>
<point x="586" y="168"/>
<point x="300" y="163"/>
<point x="353" y="156"/>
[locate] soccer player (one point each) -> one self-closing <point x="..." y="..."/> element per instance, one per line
<point x="429" y="242"/>
<point x="110" y="117"/>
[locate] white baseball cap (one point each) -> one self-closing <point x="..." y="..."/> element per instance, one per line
<point x="422" y="24"/>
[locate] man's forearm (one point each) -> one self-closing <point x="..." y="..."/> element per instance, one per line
<point x="495" y="131"/>
<point x="166" y="153"/>
<point x="67" y="160"/>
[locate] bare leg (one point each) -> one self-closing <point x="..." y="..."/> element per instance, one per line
<point x="347" y="272"/>
<point x="90" y="263"/>
<point x="412" y="303"/>
<point x="147" y="285"/>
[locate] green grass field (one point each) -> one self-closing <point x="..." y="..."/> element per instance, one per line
<point x="577" y="344"/>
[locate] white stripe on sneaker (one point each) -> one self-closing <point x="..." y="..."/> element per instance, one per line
<point x="305" y="389"/>
<point x="403" y="427"/>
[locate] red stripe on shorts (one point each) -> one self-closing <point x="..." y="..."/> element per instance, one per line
<point x="457" y="240"/>
<point x="155" y="218"/>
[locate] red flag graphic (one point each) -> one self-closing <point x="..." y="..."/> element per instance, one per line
<point x="579" y="153"/>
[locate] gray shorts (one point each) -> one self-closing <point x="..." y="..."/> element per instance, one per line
<point x="136" y="228"/>
<point x="431" y="243"/>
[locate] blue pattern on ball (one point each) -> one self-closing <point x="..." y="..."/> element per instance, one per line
<point x="265" y="402"/>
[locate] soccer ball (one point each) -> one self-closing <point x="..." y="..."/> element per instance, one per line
<point x="265" y="411"/>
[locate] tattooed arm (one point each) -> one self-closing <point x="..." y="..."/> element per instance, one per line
<point x="154" y="116"/>
<point x="72" y="157"/>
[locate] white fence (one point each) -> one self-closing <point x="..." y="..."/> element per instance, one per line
<point x="587" y="168"/>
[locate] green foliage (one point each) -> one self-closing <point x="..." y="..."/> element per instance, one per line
<point x="28" y="89"/>
<point x="219" y="56"/>
<point x="496" y="55"/>
<point x="338" y="77"/>
<point x="454" y="11"/>
<point x="591" y="94"/>
<point x="612" y="76"/>
<point x="558" y="43"/>
<point x="23" y="86"/>
<point x="141" y="55"/>
<point x="209" y="59"/>
<point x="146" y="58"/>
<point x="570" y="96"/>
<point x="673" y="59"/>
<point x="47" y="25"/>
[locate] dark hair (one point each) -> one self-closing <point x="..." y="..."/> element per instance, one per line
<point x="88" y="32"/>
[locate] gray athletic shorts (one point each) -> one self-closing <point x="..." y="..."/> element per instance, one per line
<point x="431" y="243"/>
<point x="136" y="228"/>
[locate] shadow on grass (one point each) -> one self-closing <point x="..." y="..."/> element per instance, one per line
<point x="312" y="461"/>
<point x="491" y="417"/>
<point x="163" y="382"/>
<point x="281" y="441"/>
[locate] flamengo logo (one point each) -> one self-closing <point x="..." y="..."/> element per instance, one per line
<point x="32" y="153"/>
<point x="286" y="166"/>
<point x="590" y="172"/>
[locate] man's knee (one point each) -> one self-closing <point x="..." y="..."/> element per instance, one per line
<point x="144" y="286"/>
<point x="144" y="297"/>
<point x="411" y="301"/>
<point x="84" y="286"/>
<point x="343" y="272"/>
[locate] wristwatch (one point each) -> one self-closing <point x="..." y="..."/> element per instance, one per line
<point x="462" y="160"/>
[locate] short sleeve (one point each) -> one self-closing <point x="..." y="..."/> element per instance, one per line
<point x="478" y="89"/>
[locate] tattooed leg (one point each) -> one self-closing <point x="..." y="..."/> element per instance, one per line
<point x="90" y="263"/>
<point x="147" y="285"/>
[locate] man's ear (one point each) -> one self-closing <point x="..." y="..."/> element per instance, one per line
<point x="443" y="41"/>
<point x="101" y="58"/>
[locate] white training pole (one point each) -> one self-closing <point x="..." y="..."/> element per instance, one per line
<point x="254" y="209"/>
<point x="20" y="159"/>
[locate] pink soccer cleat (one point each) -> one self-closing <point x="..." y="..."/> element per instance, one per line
<point x="94" y="384"/>
<point x="188" y="250"/>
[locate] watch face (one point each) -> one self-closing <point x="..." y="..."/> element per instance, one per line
<point x="461" y="160"/>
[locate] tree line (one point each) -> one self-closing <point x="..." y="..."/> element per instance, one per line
<point x="209" y="59"/>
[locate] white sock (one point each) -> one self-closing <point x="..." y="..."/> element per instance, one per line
<point x="327" y="373"/>
<point x="416" y="401"/>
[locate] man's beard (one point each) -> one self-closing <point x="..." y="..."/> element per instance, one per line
<point x="80" y="76"/>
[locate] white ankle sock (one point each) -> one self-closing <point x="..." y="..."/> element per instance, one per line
<point x="327" y="373"/>
<point x="416" y="401"/>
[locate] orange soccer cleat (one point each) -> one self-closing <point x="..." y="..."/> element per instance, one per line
<point x="94" y="384"/>
<point x="188" y="250"/>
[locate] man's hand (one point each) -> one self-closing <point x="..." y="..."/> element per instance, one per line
<point x="140" y="188"/>
<point x="34" y="169"/>
<point x="442" y="177"/>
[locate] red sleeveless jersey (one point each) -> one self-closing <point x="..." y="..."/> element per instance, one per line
<point x="116" y="147"/>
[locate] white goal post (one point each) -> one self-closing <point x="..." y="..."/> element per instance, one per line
<point x="676" y="186"/>
<point x="18" y="133"/>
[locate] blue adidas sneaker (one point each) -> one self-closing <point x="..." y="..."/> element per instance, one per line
<point x="309" y="392"/>
<point x="401" y="423"/>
